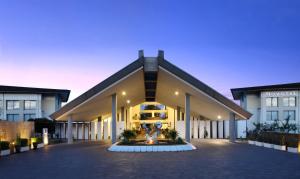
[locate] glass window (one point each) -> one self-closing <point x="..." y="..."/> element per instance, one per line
<point x="145" y="116"/>
<point x="274" y="101"/>
<point x="268" y="101"/>
<point x="289" y="114"/>
<point x="162" y="115"/>
<point x="29" y="116"/>
<point x="271" y="102"/>
<point x="13" y="117"/>
<point x="10" y="105"/>
<point x="289" y="101"/>
<point x="272" y="115"/>
<point x="152" y="107"/>
<point x="29" y="104"/>
<point x="292" y="101"/>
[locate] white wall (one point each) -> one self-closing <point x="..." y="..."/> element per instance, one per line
<point x="48" y="105"/>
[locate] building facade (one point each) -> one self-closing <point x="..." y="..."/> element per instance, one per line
<point x="268" y="104"/>
<point x="23" y="103"/>
<point x="147" y="91"/>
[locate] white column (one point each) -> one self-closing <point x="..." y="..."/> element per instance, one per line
<point x="187" y="117"/>
<point x="93" y="132"/>
<point x="69" y="130"/>
<point x="114" y="118"/>
<point x="83" y="132"/>
<point x="232" y="127"/>
<point x="76" y="128"/>
<point x="99" y="129"/>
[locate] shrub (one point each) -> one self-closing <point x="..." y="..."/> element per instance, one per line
<point x="260" y="137"/>
<point x="128" y="135"/>
<point x="40" y="123"/>
<point x="4" y="145"/>
<point x="292" y="141"/>
<point x="24" y="142"/>
<point x="173" y="134"/>
<point x="267" y="137"/>
<point x="278" y="139"/>
<point x="165" y="132"/>
<point x="180" y="141"/>
<point x="252" y="135"/>
<point x="38" y="140"/>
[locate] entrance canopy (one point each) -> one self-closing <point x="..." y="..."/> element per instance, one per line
<point x="150" y="79"/>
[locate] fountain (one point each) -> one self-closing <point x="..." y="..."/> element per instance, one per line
<point x="152" y="134"/>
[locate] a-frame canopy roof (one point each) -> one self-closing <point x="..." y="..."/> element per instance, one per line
<point x="132" y="79"/>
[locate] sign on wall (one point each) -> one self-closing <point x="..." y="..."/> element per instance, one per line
<point x="279" y="93"/>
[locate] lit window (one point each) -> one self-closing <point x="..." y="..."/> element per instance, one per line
<point x="29" y="104"/>
<point x="289" y="114"/>
<point x="271" y="102"/>
<point x="11" y="105"/>
<point x="289" y="101"/>
<point x="272" y="115"/>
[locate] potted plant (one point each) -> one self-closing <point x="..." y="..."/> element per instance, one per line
<point x="4" y="148"/>
<point x="37" y="142"/>
<point x="40" y="143"/>
<point x="279" y="142"/>
<point x="24" y="145"/>
<point x="17" y="145"/>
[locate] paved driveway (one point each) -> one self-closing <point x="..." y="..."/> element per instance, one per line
<point x="212" y="159"/>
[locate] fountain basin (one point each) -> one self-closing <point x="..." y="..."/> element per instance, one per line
<point x="151" y="148"/>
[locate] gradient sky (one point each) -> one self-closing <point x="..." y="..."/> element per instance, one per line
<point x="77" y="44"/>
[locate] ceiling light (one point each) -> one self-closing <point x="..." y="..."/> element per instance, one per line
<point x="123" y="93"/>
<point x="219" y="117"/>
<point x="176" y="93"/>
<point x="128" y="101"/>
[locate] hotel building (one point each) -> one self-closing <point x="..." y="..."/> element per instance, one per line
<point x="267" y="104"/>
<point x="23" y="103"/>
<point x="149" y="90"/>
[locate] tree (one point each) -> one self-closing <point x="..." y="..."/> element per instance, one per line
<point x="40" y="123"/>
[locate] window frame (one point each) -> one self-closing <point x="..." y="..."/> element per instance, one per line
<point x="289" y="111"/>
<point x="272" y="117"/>
<point x="289" y="101"/>
<point x="14" y="119"/>
<point x="30" y="104"/>
<point x="13" y="104"/>
<point x="272" y="101"/>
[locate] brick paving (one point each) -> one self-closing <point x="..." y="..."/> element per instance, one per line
<point x="212" y="159"/>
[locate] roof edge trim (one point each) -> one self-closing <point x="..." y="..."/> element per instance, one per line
<point x="102" y="86"/>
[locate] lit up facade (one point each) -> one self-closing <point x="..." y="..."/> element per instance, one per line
<point x="149" y="90"/>
<point x="23" y="103"/>
<point x="267" y="104"/>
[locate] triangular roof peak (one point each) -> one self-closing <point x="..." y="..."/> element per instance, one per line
<point x="154" y="67"/>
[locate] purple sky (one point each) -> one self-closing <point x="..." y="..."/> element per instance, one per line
<point x="77" y="44"/>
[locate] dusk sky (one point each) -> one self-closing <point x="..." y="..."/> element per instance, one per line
<point x="77" y="44"/>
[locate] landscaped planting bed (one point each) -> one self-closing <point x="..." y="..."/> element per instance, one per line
<point x="276" y="140"/>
